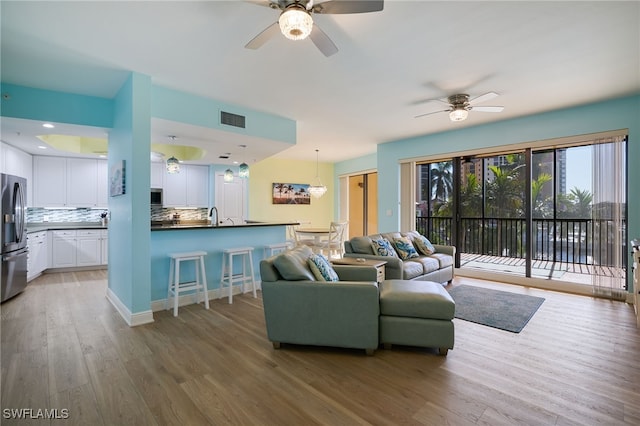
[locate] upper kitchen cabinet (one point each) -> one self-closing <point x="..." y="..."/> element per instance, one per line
<point x="157" y="170"/>
<point x="18" y="163"/>
<point x="49" y="181"/>
<point x="189" y="188"/>
<point x="69" y="182"/>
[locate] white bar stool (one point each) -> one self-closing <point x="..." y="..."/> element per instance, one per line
<point x="176" y="287"/>
<point x="227" y="277"/>
<point x="272" y="249"/>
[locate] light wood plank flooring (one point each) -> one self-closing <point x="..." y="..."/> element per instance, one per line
<point x="577" y="362"/>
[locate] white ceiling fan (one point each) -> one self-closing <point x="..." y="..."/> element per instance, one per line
<point x="460" y="105"/>
<point x="296" y="23"/>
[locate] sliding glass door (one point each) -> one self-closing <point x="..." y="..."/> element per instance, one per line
<point x="554" y="213"/>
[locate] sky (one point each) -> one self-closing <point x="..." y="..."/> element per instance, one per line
<point x="579" y="167"/>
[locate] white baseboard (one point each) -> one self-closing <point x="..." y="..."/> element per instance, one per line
<point x="132" y="320"/>
<point x="188" y="299"/>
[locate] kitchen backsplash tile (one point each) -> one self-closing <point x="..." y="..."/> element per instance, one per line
<point x="38" y="215"/>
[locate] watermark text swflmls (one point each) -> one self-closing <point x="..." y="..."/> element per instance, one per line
<point x="35" y="413"/>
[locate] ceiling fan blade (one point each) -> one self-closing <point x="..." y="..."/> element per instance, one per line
<point x="263" y="37"/>
<point x="487" y="108"/>
<point x="349" y="6"/>
<point x="483" y="98"/>
<point x="430" y="113"/>
<point x="322" y="41"/>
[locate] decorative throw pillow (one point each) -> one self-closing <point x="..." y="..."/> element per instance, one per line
<point x="292" y="264"/>
<point x="321" y="268"/>
<point x="423" y="245"/>
<point x="404" y="248"/>
<point x="382" y="247"/>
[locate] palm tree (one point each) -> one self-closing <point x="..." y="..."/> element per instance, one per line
<point x="441" y="182"/>
<point x="582" y="206"/>
<point x="280" y="187"/>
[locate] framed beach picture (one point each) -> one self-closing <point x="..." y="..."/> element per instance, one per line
<point x="117" y="181"/>
<point x="291" y="193"/>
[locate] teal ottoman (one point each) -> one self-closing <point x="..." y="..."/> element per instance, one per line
<point x="416" y="313"/>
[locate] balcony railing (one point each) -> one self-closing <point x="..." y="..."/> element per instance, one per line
<point x="577" y="241"/>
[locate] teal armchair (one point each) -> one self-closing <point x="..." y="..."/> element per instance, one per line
<point x="308" y="312"/>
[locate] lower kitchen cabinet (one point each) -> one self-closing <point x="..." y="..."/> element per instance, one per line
<point x="38" y="259"/>
<point x="88" y="247"/>
<point x="63" y="249"/>
<point x="104" y="247"/>
<point x="78" y="248"/>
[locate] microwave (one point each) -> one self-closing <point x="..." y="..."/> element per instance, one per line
<point x="156" y="197"/>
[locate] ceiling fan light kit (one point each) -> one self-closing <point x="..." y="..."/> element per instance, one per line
<point x="460" y="105"/>
<point x="458" y="114"/>
<point x="295" y="23"/>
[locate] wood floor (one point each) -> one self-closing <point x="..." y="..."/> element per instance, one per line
<point x="577" y="362"/>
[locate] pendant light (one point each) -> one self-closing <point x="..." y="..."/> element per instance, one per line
<point x="228" y="175"/>
<point x="318" y="189"/>
<point x="173" y="165"/>
<point x="244" y="168"/>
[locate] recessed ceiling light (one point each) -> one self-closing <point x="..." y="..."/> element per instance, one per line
<point x="235" y="162"/>
<point x="42" y="147"/>
<point x="48" y="125"/>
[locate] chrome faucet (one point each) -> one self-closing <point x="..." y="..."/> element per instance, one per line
<point x="214" y="208"/>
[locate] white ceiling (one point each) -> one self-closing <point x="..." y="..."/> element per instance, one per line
<point x="538" y="56"/>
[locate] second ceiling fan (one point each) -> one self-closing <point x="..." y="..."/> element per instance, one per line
<point x="296" y="23"/>
<point x="460" y="105"/>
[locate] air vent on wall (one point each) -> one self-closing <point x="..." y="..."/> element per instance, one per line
<point x="230" y="119"/>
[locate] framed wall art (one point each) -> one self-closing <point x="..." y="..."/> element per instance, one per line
<point x="117" y="181"/>
<point x="291" y="193"/>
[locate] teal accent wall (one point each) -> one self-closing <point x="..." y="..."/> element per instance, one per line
<point x="622" y="113"/>
<point x="57" y="107"/>
<point x="129" y="232"/>
<point x="183" y="107"/>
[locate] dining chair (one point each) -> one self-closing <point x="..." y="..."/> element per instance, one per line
<point x="334" y="245"/>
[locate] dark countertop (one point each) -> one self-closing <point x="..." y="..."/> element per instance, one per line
<point x="61" y="226"/>
<point x="168" y="226"/>
<point x="155" y="226"/>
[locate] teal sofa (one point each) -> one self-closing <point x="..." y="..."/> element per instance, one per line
<point x="437" y="267"/>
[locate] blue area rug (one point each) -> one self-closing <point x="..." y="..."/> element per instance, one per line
<point x="494" y="308"/>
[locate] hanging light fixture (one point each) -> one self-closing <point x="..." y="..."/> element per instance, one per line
<point x="295" y="22"/>
<point x="244" y="168"/>
<point x="228" y="175"/>
<point x="173" y="165"/>
<point x="318" y="189"/>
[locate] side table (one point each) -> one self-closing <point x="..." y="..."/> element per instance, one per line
<point x="352" y="261"/>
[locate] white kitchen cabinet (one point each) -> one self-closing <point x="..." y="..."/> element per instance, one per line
<point x="38" y="256"/>
<point x="104" y="247"/>
<point x="69" y="182"/>
<point x="49" y="181"/>
<point x="103" y="184"/>
<point x="189" y="188"/>
<point x="63" y="250"/>
<point x="157" y="170"/>
<point x="88" y="247"/>
<point x="174" y="187"/>
<point x="18" y="163"/>
<point x="198" y="186"/>
<point x="82" y="182"/>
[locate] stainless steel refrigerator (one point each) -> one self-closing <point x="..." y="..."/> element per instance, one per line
<point x="13" y="234"/>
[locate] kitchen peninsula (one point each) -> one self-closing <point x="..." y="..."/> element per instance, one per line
<point x="169" y="238"/>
